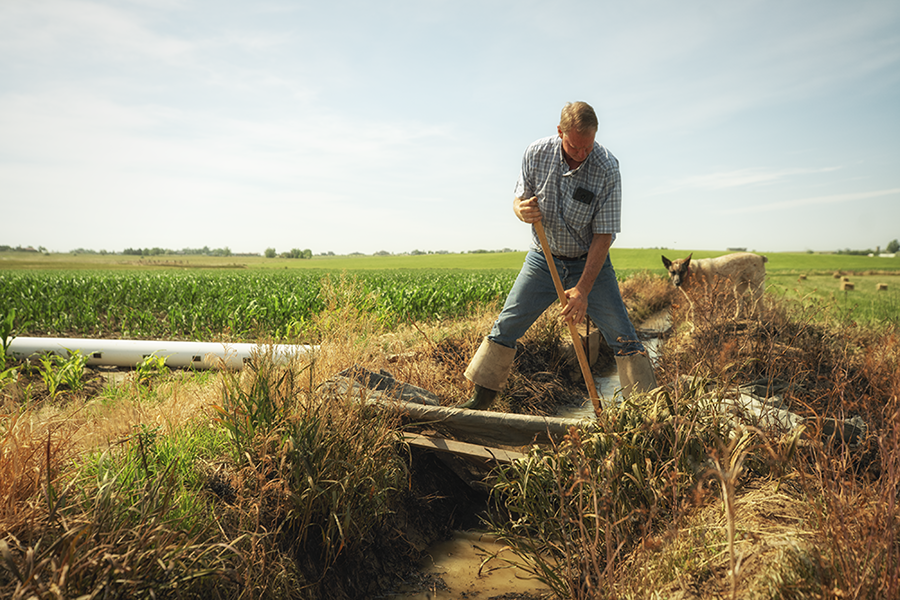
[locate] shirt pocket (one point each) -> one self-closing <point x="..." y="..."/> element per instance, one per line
<point x="579" y="215"/>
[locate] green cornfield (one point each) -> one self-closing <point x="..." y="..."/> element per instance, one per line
<point x="235" y="306"/>
<point x="67" y="296"/>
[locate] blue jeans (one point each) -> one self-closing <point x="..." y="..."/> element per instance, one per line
<point x="533" y="292"/>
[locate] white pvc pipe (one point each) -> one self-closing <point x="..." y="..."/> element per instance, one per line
<point x="130" y="353"/>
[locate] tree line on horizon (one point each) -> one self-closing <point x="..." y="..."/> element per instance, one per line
<point x="892" y="247"/>
<point x="226" y="251"/>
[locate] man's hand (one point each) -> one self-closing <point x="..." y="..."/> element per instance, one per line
<point x="527" y="210"/>
<point x="576" y="305"/>
<point x="577" y="297"/>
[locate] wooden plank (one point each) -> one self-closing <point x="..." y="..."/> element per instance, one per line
<point x="462" y="448"/>
<point x="481" y="426"/>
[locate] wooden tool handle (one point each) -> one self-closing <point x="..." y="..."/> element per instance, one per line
<point x="576" y="339"/>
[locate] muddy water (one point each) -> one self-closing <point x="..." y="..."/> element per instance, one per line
<point x="456" y="571"/>
<point x="608" y="384"/>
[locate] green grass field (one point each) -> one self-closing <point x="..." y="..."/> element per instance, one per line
<point x="624" y="259"/>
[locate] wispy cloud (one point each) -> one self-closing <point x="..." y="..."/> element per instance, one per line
<point x="812" y="201"/>
<point x="746" y="58"/>
<point x="58" y="26"/>
<point x="737" y="178"/>
<point x="70" y="127"/>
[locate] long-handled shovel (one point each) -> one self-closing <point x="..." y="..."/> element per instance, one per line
<point x="576" y="339"/>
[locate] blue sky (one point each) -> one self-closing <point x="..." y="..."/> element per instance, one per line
<point x="400" y="125"/>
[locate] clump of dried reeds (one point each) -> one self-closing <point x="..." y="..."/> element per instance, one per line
<point x="646" y="294"/>
<point x="855" y="514"/>
<point x="319" y="467"/>
<point x="572" y="513"/>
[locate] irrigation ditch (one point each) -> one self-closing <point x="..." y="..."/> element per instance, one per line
<point x="475" y="563"/>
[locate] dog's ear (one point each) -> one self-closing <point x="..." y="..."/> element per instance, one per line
<point x="666" y="262"/>
<point x="687" y="261"/>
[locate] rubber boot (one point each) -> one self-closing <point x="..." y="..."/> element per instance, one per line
<point x="635" y="374"/>
<point x="488" y="370"/>
<point x="481" y="399"/>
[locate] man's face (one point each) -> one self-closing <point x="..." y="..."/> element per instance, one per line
<point x="577" y="146"/>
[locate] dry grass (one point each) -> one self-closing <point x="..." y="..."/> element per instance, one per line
<point x="645" y="294"/>
<point x="820" y="371"/>
<point x="691" y="559"/>
<point x="844" y="541"/>
<point x="665" y="502"/>
<point x="769" y="515"/>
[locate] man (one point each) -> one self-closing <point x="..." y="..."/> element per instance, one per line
<point x="571" y="184"/>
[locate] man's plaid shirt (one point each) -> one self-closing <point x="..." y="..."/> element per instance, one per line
<point x="570" y="218"/>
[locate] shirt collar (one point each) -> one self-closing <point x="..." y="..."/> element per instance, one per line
<point x="565" y="166"/>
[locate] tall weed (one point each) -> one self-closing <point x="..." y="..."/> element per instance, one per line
<point x="318" y="470"/>
<point x="131" y="523"/>
<point x="857" y="517"/>
<point x="572" y="513"/>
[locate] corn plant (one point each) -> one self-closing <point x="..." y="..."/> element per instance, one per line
<point x="7" y="329"/>
<point x="7" y="323"/>
<point x="7" y="375"/>
<point x="149" y="367"/>
<point x="57" y="371"/>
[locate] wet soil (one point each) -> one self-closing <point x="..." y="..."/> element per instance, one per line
<point x="436" y="504"/>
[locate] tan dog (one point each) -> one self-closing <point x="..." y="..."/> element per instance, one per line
<point x="743" y="270"/>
